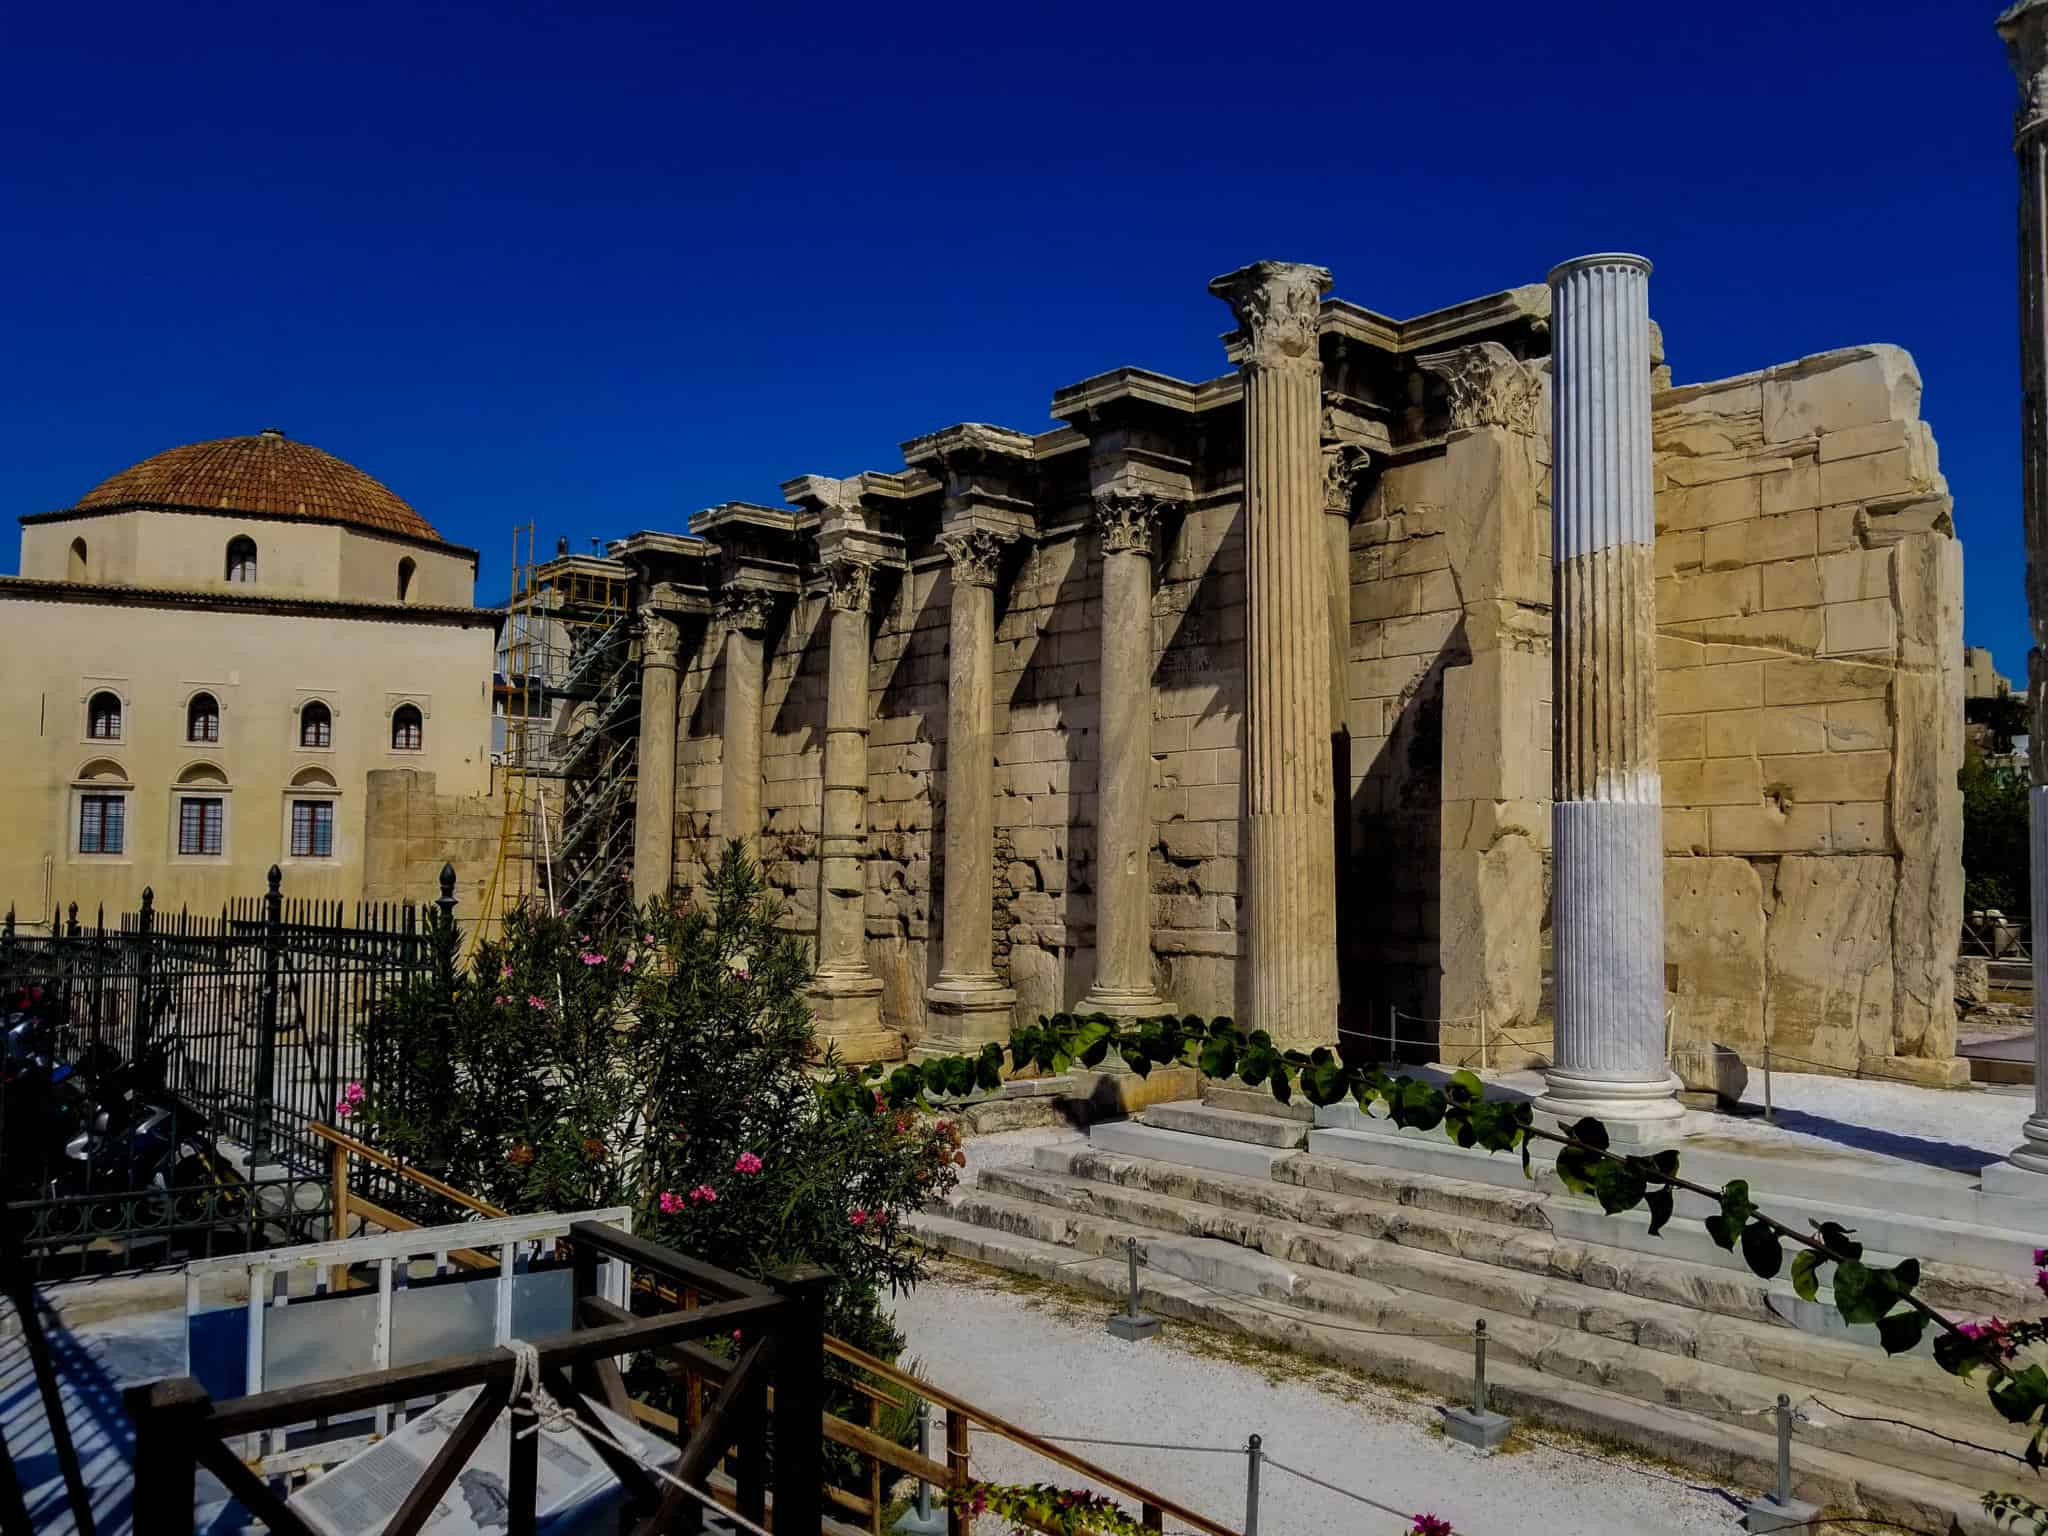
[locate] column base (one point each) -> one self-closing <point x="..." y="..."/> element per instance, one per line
<point x="1123" y="1003"/>
<point x="964" y="1013"/>
<point x="2025" y="1169"/>
<point x="1636" y="1114"/>
<point x="848" y="1014"/>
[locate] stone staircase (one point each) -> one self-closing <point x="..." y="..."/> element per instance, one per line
<point x="1245" y="1220"/>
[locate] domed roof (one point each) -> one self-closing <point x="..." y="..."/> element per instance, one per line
<point x="267" y="473"/>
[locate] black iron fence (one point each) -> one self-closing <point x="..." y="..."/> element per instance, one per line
<point x="257" y="1014"/>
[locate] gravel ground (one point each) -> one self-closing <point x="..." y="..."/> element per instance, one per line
<point x="1044" y="1362"/>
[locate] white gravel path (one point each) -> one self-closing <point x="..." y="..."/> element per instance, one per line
<point x="1045" y="1363"/>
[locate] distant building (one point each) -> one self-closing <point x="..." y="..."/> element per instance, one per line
<point x="209" y="656"/>
<point x="1981" y="678"/>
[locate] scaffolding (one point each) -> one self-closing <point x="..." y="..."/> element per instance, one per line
<point x="563" y="733"/>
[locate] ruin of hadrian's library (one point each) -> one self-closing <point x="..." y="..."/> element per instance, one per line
<point x="1288" y="694"/>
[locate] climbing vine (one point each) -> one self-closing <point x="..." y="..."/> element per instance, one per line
<point x="1865" y="1294"/>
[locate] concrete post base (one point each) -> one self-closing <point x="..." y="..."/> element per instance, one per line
<point x="1131" y="1329"/>
<point x="1767" y="1514"/>
<point x="1483" y="1430"/>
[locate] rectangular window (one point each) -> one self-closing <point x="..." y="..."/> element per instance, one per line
<point x="102" y="823"/>
<point x="312" y="829"/>
<point x="199" y="826"/>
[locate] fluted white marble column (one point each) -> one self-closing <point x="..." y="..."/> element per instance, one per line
<point x="746" y="618"/>
<point x="1292" y="982"/>
<point x="1127" y="523"/>
<point x="1607" y="819"/>
<point x="2025" y="30"/>
<point x="654" y="805"/>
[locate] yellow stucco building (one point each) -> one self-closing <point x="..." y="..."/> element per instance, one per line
<point x="207" y="657"/>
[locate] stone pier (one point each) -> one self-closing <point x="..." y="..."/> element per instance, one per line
<point x="969" y="1003"/>
<point x="2025" y="30"/>
<point x="1126" y="523"/>
<point x="654" y="805"/>
<point x="1291" y="985"/>
<point x="1607" y="819"/>
<point x="744" y="612"/>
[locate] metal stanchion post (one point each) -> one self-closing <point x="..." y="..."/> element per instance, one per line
<point x="1131" y="1324"/>
<point x="1779" y="1511"/>
<point x="1253" y="1454"/>
<point x="1769" y="1118"/>
<point x="921" y="1519"/>
<point x="1477" y="1426"/>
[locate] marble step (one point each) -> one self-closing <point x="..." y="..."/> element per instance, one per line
<point x="1256" y="1101"/>
<point x="1197" y="1118"/>
<point x="1432" y="1173"/>
<point x="1742" y="1454"/>
<point x="1673" y="1309"/>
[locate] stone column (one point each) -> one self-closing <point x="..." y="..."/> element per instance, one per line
<point x="969" y="1003"/>
<point x="654" y="804"/>
<point x="1126" y="523"/>
<point x="846" y="995"/>
<point x="1292" y="984"/>
<point x="745" y="613"/>
<point x="2025" y="30"/>
<point x="1607" y="836"/>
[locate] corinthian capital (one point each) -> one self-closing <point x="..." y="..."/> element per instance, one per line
<point x="1488" y="387"/>
<point x="1278" y="305"/>
<point x="745" y="608"/>
<point x="2025" y="30"/>
<point x="977" y="555"/>
<point x="1344" y="465"/>
<point x="1126" y="521"/>
<point x="852" y="585"/>
<point x="660" y="639"/>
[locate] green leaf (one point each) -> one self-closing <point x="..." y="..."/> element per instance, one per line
<point x="1666" y="1163"/>
<point x="1806" y="1274"/>
<point x="988" y="1069"/>
<point x="1590" y="1131"/>
<point x="2020" y="1395"/>
<point x="1575" y="1169"/>
<point x="1837" y="1240"/>
<point x="1219" y="1057"/>
<point x="1905" y="1277"/>
<point x="1617" y="1185"/>
<point x="1325" y="1082"/>
<point x="1136" y="1060"/>
<point x="1469" y="1084"/>
<point x="1417" y="1105"/>
<point x="1660" y="1201"/>
<point x="1283" y="1090"/>
<point x="1861" y="1294"/>
<point x="1957" y="1355"/>
<point x="1762" y="1250"/>
<point x="1901" y="1331"/>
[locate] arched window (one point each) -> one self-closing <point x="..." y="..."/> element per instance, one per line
<point x="202" y="718"/>
<point x="316" y="725"/>
<point x="78" y="564"/>
<point x="241" y="558"/>
<point x="407" y="728"/>
<point x="405" y="570"/>
<point x="103" y="717"/>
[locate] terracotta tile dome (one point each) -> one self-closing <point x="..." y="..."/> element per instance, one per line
<point x="267" y="473"/>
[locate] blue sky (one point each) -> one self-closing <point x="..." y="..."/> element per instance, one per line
<point x="602" y="266"/>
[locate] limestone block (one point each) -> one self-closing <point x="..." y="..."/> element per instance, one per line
<point x="1790" y="584"/>
<point x="1799" y="681"/>
<point x="1885" y="523"/>
<point x="1757" y="636"/>
<point x="1709" y="594"/>
<point x="1827" y="776"/>
<point x="1786" y="536"/>
<point x="1926" y="817"/>
<point x="1835" y="528"/>
<point x="1698" y="689"/>
<point x="1490" y="516"/>
<point x="1767" y="829"/>
<point x="1837" y="390"/>
<point x="1682" y="736"/>
<point x="1878" y="437"/>
<point x="1712" y="781"/>
<point x="1714" y="943"/>
<point x="1675" y="651"/>
<point x="1855" y="574"/>
<point x="1973" y="980"/>
<point x="1678" y="552"/>
<point x="1493" y="719"/>
<point x="1490" y="946"/>
<point x="1868" y="478"/>
<point x="1790" y="489"/>
<point x="1703" y="506"/>
<point x="1865" y="626"/>
<point x="1858" y="726"/>
<point x="1860" y="828"/>
<point x="1828" y="960"/>
<point x="1421" y="635"/>
<point x="1685" y="831"/>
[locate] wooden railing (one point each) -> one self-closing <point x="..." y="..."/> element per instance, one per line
<point x="698" y="1368"/>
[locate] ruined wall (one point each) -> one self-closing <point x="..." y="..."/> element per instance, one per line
<point x="411" y="830"/>
<point x="1809" y="606"/>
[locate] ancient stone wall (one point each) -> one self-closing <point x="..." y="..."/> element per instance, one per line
<point x="411" y="830"/>
<point x="1809" y="607"/>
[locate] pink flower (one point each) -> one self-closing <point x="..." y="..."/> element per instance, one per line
<point x="535" y="1000"/>
<point x="591" y="957"/>
<point x="858" y="1217"/>
<point x="705" y="1193"/>
<point x="1992" y="1331"/>
<point x="2041" y="1280"/>
<point x="747" y="1163"/>
<point x="2040" y="1257"/>
<point x="505" y="974"/>
<point x="354" y="1093"/>
<point x="498" y="1001"/>
<point x="649" y="938"/>
<point x="671" y="1202"/>
<point x="627" y="963"/>
<point x="1431" y="1525"/>
<point x="343" y="1109"/>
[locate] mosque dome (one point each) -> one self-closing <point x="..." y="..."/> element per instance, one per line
<point x="267" y="474"/>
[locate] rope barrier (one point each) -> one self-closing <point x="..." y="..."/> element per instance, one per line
<point x="552" y="1417"/>
<point x="1865" y="1418"/>
<point x="1139" y="1445"/>
<point x="1281" y="1466"/>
